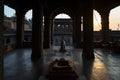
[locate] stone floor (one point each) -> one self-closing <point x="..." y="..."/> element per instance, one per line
<point x="105" y="66"/>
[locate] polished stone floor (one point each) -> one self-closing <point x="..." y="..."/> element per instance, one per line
<point x="105" y="66"/>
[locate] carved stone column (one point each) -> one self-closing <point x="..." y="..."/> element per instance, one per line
<point x="47" y="32"/>
<point x="1" y="38"/>
<point x="88" y="30"/>
<point x="105" y="26"/>
<point x="37" y="32"/>
<point x="19" y="28"/>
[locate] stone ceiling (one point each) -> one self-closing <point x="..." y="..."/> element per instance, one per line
<point x="51" y="4"/>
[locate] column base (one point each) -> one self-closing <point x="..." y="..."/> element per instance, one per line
<point x="35" y="57"/>
<point x="47" y="47"/>
<point x="78" y="46"/>
<point x="86" y="55"/>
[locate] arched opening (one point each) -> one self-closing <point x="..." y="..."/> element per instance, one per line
<point x="63" y="29"/>
<point x="62" y="16"/>
<point x="97" y="21"/>
<point x="97" y="26"/>
<point x="114" y="19"/>
<point x="28" y="27"/>
<point x="9" y="28"/>
<point x="114" y="24"/>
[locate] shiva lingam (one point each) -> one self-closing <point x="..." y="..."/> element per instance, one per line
<point x="62" y="46"/>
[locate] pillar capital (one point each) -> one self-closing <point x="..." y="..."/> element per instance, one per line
<point x="20" y="12"/>
<point x="104" y="12"/>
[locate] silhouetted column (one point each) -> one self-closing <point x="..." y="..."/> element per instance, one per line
<point x="19" y="29"/>
<point x="74" y="33"/>
<point x="105" y="26"/>
<point x="1" y="38"/>
<point x="47" y="32"/>
<point x="88" y="30"/>
<point x="37" y="32"/>
<point x="52" y="31"/>
<point x="78" y="31"/>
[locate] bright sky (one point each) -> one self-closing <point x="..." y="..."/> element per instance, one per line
<point x="97" y="20"/>
<point x="114" y="17"/>
<point x="10" y="12"/>
<point x="62" y="15"/>
<point x="28" y="15"/>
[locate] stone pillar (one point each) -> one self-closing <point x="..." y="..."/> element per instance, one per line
<point x="1" y="38"/>
<point x="19" y="28"/>
<point x="78" y="31"/>
<point x="88" y="30"/>
<point x="47" y="32"/>
<point x="105" y="26"/>
<point x="74" y="35"/>
<point x="37" y="32"/>
<point x="52" y="30"/>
